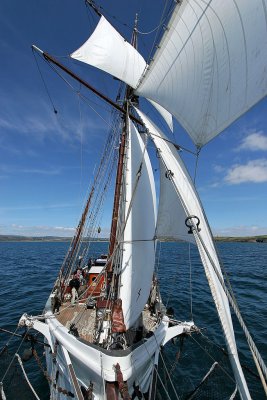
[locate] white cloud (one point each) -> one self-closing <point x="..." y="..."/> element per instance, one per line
<point x="239" y="231"/>
<point x="254" y="171"/>
<point x="255" y="141"/>
<point x="218" y="168"/>
<point x="64" y="229"/>
<point x="41" y="123"/>
<point x="39" y="230"/>
<point x="44" y="230"/>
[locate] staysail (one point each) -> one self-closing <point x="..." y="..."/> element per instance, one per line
<point x="170" y="225"/>
<point x="138" y="242"/>
<point x="187" y="199"/>
<point x="164" y="113"/>
<point x="210" y="66"/>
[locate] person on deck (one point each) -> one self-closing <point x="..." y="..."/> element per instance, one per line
<point x="74" y="284"/>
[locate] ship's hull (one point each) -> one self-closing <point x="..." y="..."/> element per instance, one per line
<point x="95" y="366"/>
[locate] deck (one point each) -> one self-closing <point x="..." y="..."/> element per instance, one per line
<point x="85" y="319"/>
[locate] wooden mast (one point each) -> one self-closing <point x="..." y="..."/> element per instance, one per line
<point x="118" y="185"/>
<point x="53" y="60"/>
<point x="117" y="318"/>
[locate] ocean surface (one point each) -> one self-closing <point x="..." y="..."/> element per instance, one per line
<point x="28" y="271"/>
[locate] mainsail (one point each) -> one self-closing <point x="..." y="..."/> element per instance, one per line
<point x="187" y="199"/>
<point x="140" y="218"/>
<point x="210" y="66"/>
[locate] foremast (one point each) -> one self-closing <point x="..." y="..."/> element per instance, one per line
<point x="112" y="276"/>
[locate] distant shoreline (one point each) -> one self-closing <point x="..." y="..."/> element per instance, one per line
<point x="43" y="239"/>
<point x="56" y="239"/>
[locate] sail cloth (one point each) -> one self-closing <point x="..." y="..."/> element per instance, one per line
<point x="107" y="50"/>
<point x="171" y="214"/>
<point x="187" y="199"/>
<point x="138" y="243"/>
<point x="211" y="64"/>
<point x="164" y="113"/>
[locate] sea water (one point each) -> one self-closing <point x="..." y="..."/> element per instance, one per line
<point x="29" y="269"/>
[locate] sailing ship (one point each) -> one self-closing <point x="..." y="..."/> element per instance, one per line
<point x="209" y="69"/>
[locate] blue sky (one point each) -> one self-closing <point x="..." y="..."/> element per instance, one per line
<point x="47" y="159"/>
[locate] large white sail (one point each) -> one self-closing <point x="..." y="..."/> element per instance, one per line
<point x="140" y="214"/>
<point x="108" y="50"/>
<point x="171" y="214"/>
<point x="187" y="199"/>
<point x="211" y="64"/>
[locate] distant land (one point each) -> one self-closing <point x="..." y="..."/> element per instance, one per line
<point x="16" y="238"/>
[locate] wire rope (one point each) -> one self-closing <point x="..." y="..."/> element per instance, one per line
<point x="212" y="358"/>
<point x="234" y="306"/>
<point x="170" y="379"/>
<point x="45" y="85"/>
<point x="11" y="362"/>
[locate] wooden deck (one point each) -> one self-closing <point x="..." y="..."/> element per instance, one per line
<point x="83" y="318"/>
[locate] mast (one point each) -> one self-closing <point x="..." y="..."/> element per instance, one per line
<point x="53" y="60"/>
<point x="114" y="223"/>
<point x="118" y="185"/>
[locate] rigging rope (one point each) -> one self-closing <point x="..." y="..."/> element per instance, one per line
<point x="155" y="368"/>
<point x="189" y="244"/>
<point x="232" y="301"/>
<point x="26" y="377"/>
<point x="190" y="281"/>
<point x="233" y="394"/>
<point x="8" y="368"/>
<point x="160" y="24"/>
<point x="3" y="396"/>
<point x="166" y="369"/>
<point x="196" y="390"/>
<point x="227" y="292"/>
<point x="212" y="358"/>
<point x="45" y="85"/>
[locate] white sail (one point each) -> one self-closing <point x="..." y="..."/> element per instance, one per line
<point x="171" y="214"/>
<point x="108" y="50"/>
<point x="211" y="64"/>
<point x="164" y="113"/>
<point x="187" y="197"/>
<point x="138" y="247"/>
